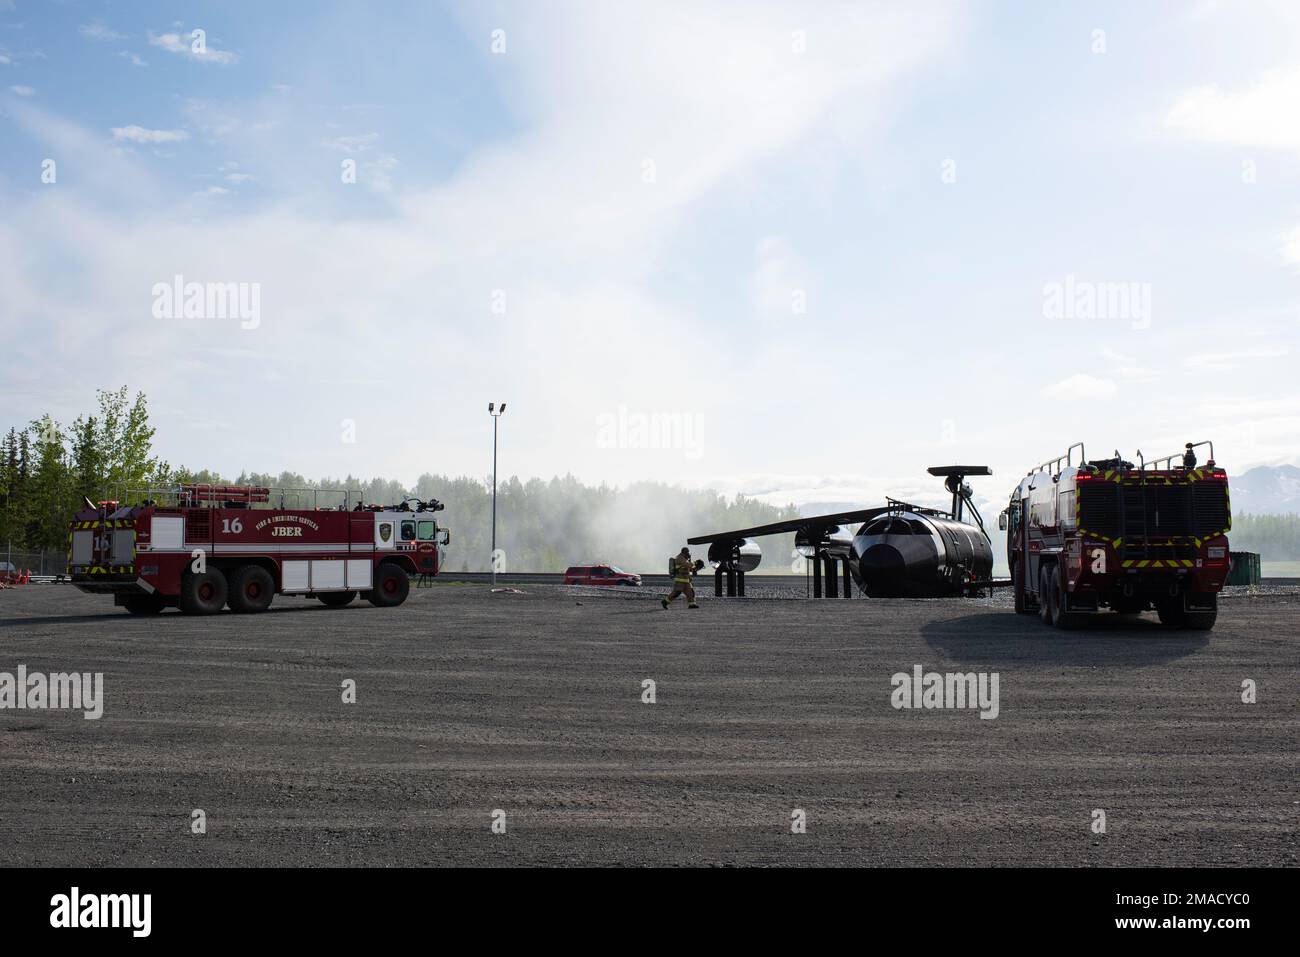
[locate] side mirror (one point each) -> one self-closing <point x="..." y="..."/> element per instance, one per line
<point x="1002" y="521"/>
<point x="444" y="537"/>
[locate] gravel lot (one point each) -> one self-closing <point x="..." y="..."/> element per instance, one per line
<point x="470" y="701"/>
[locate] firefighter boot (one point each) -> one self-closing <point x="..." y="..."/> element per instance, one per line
<point x="693" y="604"/>
<point x="664" y="602"/>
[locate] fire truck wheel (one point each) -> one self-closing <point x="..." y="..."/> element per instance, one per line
<point x="144" y="604"/>
<point x="336" y="599"/>
<point x="1200" y="620"/>
<point x="1171" y="611"/>
<point x="203" y="594"/>
<point x="1045" y="611"/>
<point x="1065" y="620"/>
<point x="392" y="585"/>
<point x="251" y="589"/>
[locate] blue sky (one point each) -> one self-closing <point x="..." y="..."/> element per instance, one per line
<point x="643" y="192"/>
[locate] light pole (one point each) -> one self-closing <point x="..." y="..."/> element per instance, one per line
<point x="496" y="414"/>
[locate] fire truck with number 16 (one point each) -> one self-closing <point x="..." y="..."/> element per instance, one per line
<point x="200" y="548"/>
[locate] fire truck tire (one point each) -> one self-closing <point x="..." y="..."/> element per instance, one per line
<point x="1174" y="613"/>
<point x="144" y="604"/>
<point x="336" y="599"/>
<point x="392" y="585"/>
<point x="203" y="594"/>
<point x="1171" y="611"/>
<point x="251" y="590"/>
<point x="1065" y="620"/>
<point x="1045" y="611"/>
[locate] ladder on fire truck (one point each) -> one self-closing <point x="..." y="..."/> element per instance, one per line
<point x="200" y="494"/>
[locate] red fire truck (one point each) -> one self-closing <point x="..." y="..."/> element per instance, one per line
<point x="1087" y="535"/>
<point x="203" y="547"/>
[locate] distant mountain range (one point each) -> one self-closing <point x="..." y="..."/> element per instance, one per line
<point x="1263" y="490"/>
<point x="1266" y="490"/>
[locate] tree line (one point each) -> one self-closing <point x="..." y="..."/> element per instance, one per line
<point x="46" y="468"/>
<point x="1275" y="537"/>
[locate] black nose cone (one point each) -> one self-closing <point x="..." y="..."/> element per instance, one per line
<point x="883" y="570"/>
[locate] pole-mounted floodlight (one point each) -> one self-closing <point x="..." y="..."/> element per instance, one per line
<point x="496" y="414"/>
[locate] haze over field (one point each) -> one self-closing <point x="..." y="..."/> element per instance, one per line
<point x="796" y="253"/>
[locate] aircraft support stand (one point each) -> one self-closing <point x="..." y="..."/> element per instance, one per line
<point x="735" y="583"/>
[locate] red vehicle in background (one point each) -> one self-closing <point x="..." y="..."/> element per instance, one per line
<point x="203" y="547"/>
<point x="599" y="575"/>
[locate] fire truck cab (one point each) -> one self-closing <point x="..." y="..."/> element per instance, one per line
<point x="201" y="548"/>
<point x="1086" y="535"/>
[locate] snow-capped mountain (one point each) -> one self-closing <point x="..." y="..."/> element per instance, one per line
<point x="1266" y="490"/>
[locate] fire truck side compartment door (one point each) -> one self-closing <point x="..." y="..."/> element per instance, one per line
<point x="167" y="532"/>
<point x="295" y="576"/>
<point x="82" y="546"/>
<point x="123" y="546"/>
<point x="327" y="575"/>
<point x="359" y="570"/>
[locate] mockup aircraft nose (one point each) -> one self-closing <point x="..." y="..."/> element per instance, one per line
<point x="895" y="565"/>
<point x="882" y="565"/>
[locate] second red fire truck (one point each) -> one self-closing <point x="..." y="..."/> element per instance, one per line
<point x="1087" y="535"/>
<point x="202" y="547"/>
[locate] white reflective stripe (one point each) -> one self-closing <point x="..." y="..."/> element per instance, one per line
<point x="277" y="547"/>
<point x="145" y="585"/>
<point x="262" y="549"/>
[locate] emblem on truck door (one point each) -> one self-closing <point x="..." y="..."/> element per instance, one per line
<point x="385" y="532"/>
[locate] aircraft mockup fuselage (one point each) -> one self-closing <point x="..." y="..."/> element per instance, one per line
<point x="894" y="551"/>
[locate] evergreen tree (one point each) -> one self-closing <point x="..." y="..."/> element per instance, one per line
<point x="47" y="504"/>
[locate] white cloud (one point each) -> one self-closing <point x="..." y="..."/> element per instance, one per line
<point x="138" y="134"/>
<point x="4" y="60"/>
<point x="779" y="284"/>
<point x="1291" y="246"/>
<point x="1223" y="361"/>
<point x="22" y="90"/>
<point x="132" y="58"/>
<point x="1261" y="116"/>
<point x="377" y="174"/>
<point x="1128" y="368"/>
<point x="556" y="218"/>
<point x="100" y="33"/>
<point x="184" y="46"/>
<point x="1081" y="386"/>
<point x="352" y="144"/>
<point x="239" y="178"/>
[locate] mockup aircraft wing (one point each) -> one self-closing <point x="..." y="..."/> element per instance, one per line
<point x="962" y="470"/>
<point x="811" y="523"/>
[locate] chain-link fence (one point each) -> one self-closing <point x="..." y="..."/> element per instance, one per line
<point x="44" y="562"/>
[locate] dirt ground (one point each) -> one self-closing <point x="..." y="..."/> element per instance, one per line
<point x="469" y="703"/>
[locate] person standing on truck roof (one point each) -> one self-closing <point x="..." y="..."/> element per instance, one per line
<point x="683" y="569"/>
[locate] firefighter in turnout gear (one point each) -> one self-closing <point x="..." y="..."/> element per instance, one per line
<point x="683" y="569"/>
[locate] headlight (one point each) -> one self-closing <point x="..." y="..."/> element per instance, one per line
<point x="1217" y="551"/>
